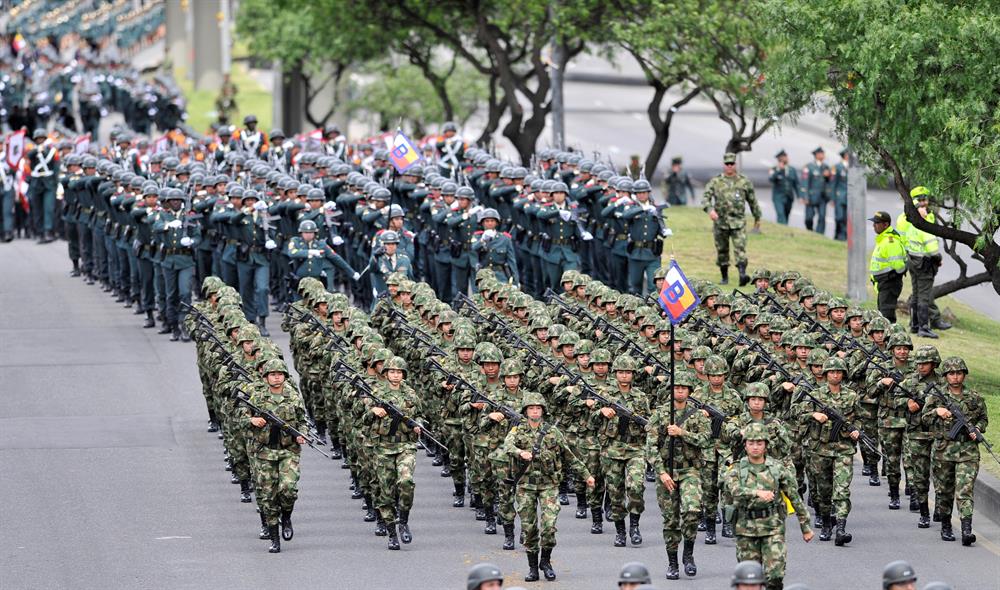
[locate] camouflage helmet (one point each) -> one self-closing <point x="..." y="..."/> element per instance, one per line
<point x="834" y="363"/>
<point x="511" y="366"/>
<point x="822" y="298"/>
<point x="900" y="339"/>
<point x="756" y="431"/>
<point x="600" y="355"/>
<point x="778" y="325"/>
<point x="584" y="346"/>
<point x="879" y="324"/>
<point x="756" y="390"/>
<point x="927" y="354"/>
<point x="211" y="285"/>
<point x="724" y="300"/>
<point x="716" y="365"/>
<point x="482" y="573"/>
<point x="838" y="303"/>
<point x="275" y="365"/>
<point x="381" y="354"/>
<point x="747" y="572"/>
<point x="487" y="352"/>
<point x="568" y="276"/>
<point x="806" y="291"/>
<point x="854" y="312"/>
<point x="248" y="333"/>
<point x="760" y="273"/>
<point x="465" y="340"/>
<point x="405" y="286"/>
<point x="954" y="364"/>
<point x="556" y="330"/>
<point x="802" y="339"/>
<point x="531" y="398"/>
<point x="700" y="353"/>
<point x="623" y="362"/>
<point x="685" y="379"/>
<point x="394" y="278"/>
<point x="396" y="362"/>
<point x="817" y="356"/>
<point x="568" y="337"/>
<point x="634" y="573"/>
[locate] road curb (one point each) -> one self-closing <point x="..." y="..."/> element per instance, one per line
<point x="987" y="496"/>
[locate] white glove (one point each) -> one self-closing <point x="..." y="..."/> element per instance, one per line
<point x="175" y="224"/>
<point x="475" y="210"/>
<point x="666" y="232"/>
<point x="260" y="206"/>
<point x="649" y="207"/>
<point x="489" y="234"/>
<point x="330" y="206"/>
<point x="186" y="241"/>
<point x="315" y="253"/>
<point x="587" y="236"/>
<point x="270" y="245"/>
<point x="384" y="210"/>
<point x="337" y="240"/>
<point x="355" y="276"/>
<point x="565" y="214"/>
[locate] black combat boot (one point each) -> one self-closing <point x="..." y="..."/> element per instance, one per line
<point x="633" y="529"/>
<point x="370" y="514"/>
<point x="185" y="336"/>
<point x="710" y="531"/>
<point x="946" y="533"/>
<point x="491" y="521"/>
<point x="357" y="492"/>
<point x="459" y="495"/>
<point x="607" y="507"/>
<point x="245" y="491"/>
<point x="380" y="528"/>
<point x="165" y="329"/>
<point x="619" y="533"/>
<point x="335" y="452"/>
<point x="229" y="464"/>
<point x="564" y="493"/>
<point x="545" y="564"/>
<point x="727" y="528"/>
<point x="275" y="539"/>
<point x="744" y="278"/>
<point x="827" y="531"/>
<point x="404" y="527"/>
<point x="968" y="538"/>
<point x="393" y="544"/>
<point x="321" y="433"/>
<point x="894" y="496"/>
<point x="724" y="270"/>
<point x="843" y="537"/>
<point x="262" y="325"/>
<point x="701" y="522"/>
<point x="234" y="479"/>
<point x="866" y="470"/>
<point x="936" y="517"/>
<point x="476" y="501"/>
<point x="175" y="334"/>
<point x="673" y="573"/>
<point x="907" y="489"/>
<point x="508" y="536"/>
<point x="213" y="421"/>
<point x="76" y="269"/>
<point x="914" y="503"/>
<point x="690" y="569"/>
<point x="532" y="567"/>
<point x="597" y="522"/>
<point x="873" y="479"/>
<point x="439" y="460"/>
<point x="265" y="531"/>
<point x="581" y="504"/>
<point x="286" y="525"/>
<point x="924" y="522"/>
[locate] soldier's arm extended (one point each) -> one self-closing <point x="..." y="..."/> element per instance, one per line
<point x="751" y="198"/>
<point x="789" y="487"/>
<point x="570" y="459"/>
<point x="708" y="197"/>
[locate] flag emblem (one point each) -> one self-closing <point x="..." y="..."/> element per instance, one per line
<point x="403" y="153"/>
<point x="677" y="297"/>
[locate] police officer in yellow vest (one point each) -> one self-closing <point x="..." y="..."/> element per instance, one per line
<point x="888" y="264"/>
<point x="923" y="261"/>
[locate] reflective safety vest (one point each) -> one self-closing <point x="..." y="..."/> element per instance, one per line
<point x="889" y="254"/>
<point x="918" y="242"/>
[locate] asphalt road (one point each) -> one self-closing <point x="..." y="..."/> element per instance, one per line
<point x="110" y="481"/>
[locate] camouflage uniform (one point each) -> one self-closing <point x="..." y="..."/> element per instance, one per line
<point x="919" y="437"/>
<point x="893" y="416"/>
<point x="760" y="525"/>
<point x="956" y="460"/>
<point x="727" y="195"/>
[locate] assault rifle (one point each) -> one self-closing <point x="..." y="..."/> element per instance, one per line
<point x="961" y="421"/>
<point x="278" y="423"/>
<point x="394" y="412"/>
<point x="337" y="341"/>
<point x="620" y="410"/>
<point x="477" y="396"/>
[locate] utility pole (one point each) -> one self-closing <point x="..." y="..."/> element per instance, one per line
<point x="857" y="230"/>
<point x="557" y="112"/>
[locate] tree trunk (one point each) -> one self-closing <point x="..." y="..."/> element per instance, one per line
<point x="960" y="283"/>
<point x="661" y="127"/>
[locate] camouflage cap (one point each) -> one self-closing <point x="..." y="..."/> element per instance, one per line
<point x="926" y="354"/>
<point x="834" y="363"/>
<point x="530" y="398"/>
<point x="716" y="365"/>
<point x="756" y="431"/>
<point x="275" y="366"/>
<point x="756" y="390"/>
<point x="511" y="366"/>
<point x="954" y="364"/>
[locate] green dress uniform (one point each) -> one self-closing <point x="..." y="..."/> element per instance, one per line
<point x="816" y="190"/>
<point x="495" y="251"/>
<point x="784" y="190"/>
<point x="177" y="237"/>
<point x="315" y="258"/>
<point x="645" y="245"/>
<point x="560" y="224"/>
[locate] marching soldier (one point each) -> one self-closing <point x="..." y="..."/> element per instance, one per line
<point x="540" y="453"/>
<point x="646" y="231"/>
<point x="315" y="258"/>
<point x="42" y="163"/>
<point x="784" y="186"/>
<point x="387" y="260"/>
<point x="838" y="191"/>
<point x="679" y="186"/>
<point x="724" y="202"/>
<point x="177" y="238"/>
<point x="816" y="191"/>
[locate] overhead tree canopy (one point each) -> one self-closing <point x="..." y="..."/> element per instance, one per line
<point x="913" y="88"/>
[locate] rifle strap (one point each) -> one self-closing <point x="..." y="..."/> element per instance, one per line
<point x="535" y="448"/>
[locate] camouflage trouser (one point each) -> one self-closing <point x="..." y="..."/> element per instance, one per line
<point x="799" y="458"/>
<point x="277" y="485"/>
<point x="769" y="551"/>
<point x="681" y="508"/>
<point x="481" y="476"/>
<point x="206" y="389"/>
<point x="892" y="451"/>
<point x="504" y="490"/>
<point x="918" y="461"/>
<point x="953" y="483"/>
<point x="395" y="482"/>
<point x="869" y="424"/>
<point x="367" y="476"/>
<point x="331" y="412"/>
<point x="538" y="510"/>
<point x="455" y="441"/>
<point x="472" y="459"/>
<point x="722" y="239"/>
<point x="234" y="439"/>
<point x="710" y="488"/>
<point x="833" y="484"/>
<point x="591" y="457"/>
<point x="625" y="480"/>
<point x="314" y="398"/>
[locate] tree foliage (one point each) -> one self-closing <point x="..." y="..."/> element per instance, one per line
<point x="913" y="87"/>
